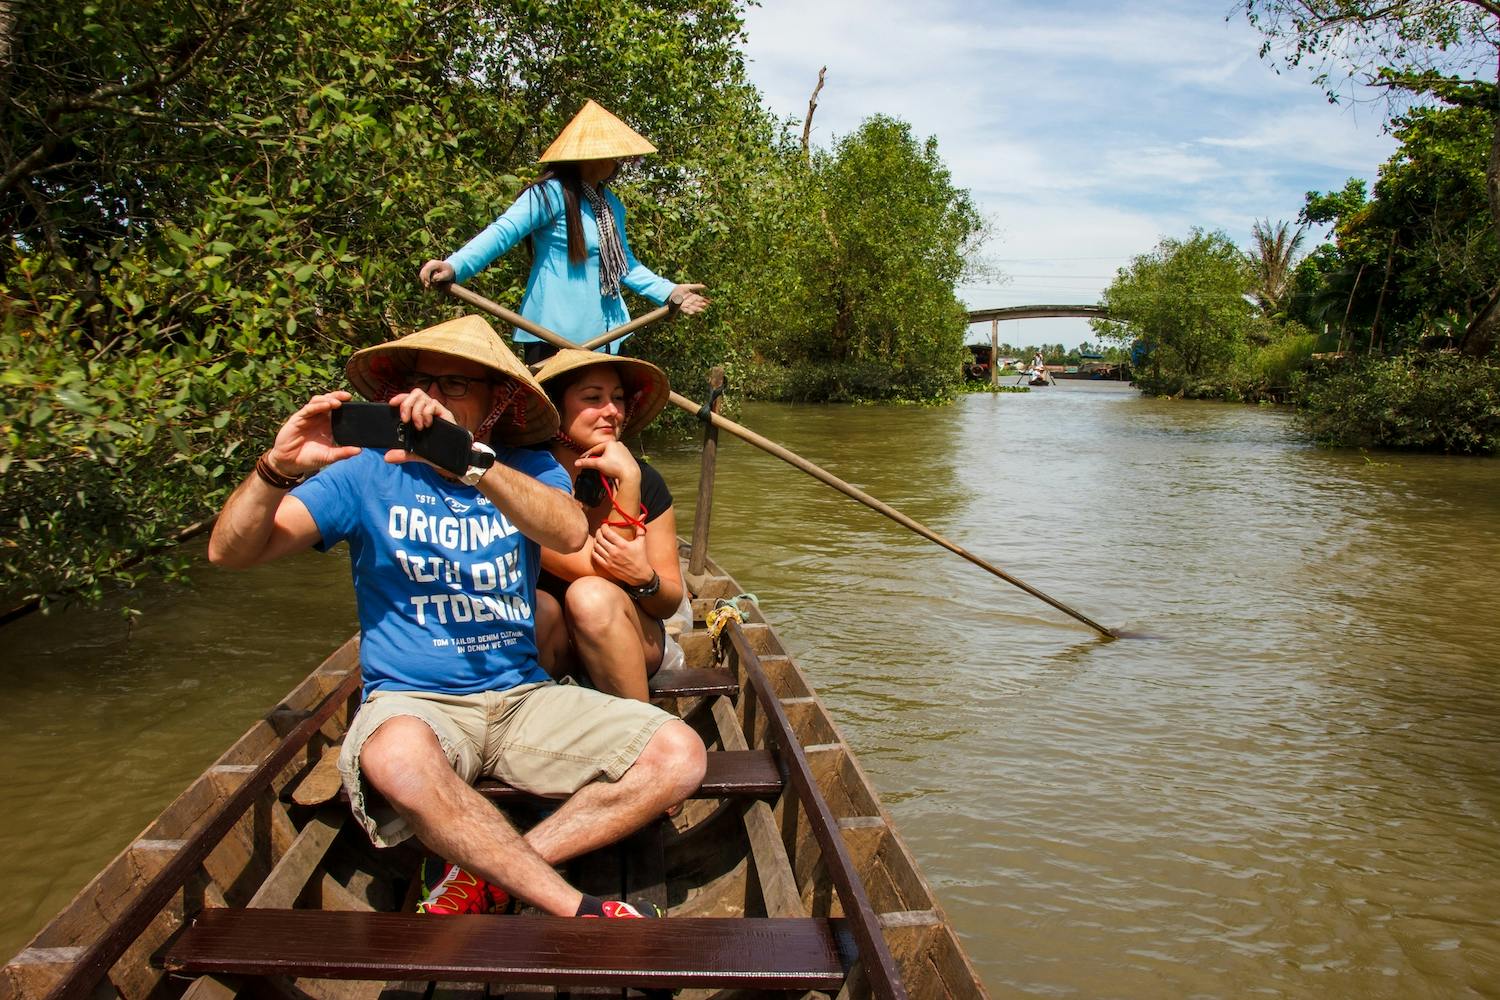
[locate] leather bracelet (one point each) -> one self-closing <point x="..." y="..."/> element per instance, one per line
<point x="645" y="590"/>
<point x="274" y="479"/>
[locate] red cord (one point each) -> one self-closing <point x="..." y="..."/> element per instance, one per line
<point x="629" y="522"/>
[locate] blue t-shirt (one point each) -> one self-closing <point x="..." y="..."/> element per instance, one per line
<point x="444" y="582"/>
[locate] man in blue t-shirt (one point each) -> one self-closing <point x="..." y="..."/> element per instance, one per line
<point x="445" y="564"/>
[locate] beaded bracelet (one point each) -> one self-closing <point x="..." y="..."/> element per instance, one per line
<point x="274" y="479"/>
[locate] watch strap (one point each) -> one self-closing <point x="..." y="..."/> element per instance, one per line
<point x="481" y="460"/>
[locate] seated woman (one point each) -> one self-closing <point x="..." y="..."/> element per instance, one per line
<point x="602" y="611"/>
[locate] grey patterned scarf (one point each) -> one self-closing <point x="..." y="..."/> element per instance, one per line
<point x="611" y="248"/>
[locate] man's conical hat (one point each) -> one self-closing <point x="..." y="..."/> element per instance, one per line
<point x="595" y="134"/>
<point x="381" y="371"/>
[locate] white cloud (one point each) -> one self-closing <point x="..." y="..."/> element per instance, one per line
<point x="1083" y="129"/>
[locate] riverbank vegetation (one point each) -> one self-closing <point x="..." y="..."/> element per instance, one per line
<point x="1383" y="335"/>
<point x="211" y="205"/>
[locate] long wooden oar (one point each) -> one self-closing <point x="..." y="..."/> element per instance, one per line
<point x="785" y="454"/>
<point x="521" y="322"/>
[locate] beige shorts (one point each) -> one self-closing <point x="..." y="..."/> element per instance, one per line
<point x="548" y="739"/>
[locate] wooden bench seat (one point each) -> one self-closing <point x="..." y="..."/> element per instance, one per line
<point x="773" y="954"/>
<point x="693" y="682"/>
<point x="731" y="774"/>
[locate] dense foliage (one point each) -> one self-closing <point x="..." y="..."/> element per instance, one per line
<point x="210" y="205"/>
<point x="1424" y="402"/>
<point x="866" y="245"/>
<point x="1444" y="50"/>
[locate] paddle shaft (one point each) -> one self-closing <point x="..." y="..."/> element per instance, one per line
<point x="880" y="507"/>
<point x="521" y="322"/>
<point x="786" y="455"/>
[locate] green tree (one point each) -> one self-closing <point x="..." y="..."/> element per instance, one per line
<point x="210" y="205"/>
<point x="1272" y="262"/>
<point x="1410" y="261"/>
<point x="1446" y="48"/>
<point x="1185" y="303"/>
<point x="865" y="247"/>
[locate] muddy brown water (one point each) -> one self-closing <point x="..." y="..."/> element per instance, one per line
<point x="1294" y="791"/>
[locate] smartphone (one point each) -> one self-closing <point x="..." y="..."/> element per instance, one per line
<point x="379" y="425"/>
<point x="588" y="488"/>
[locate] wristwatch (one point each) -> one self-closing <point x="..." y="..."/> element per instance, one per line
<point x="646" y="589"/>
<point x="481" y="457"/>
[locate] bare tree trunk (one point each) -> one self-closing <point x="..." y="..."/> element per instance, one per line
<point x="1375" y="330"/>
<point x="812" y="105"/>
<point x="1350" y="307"/>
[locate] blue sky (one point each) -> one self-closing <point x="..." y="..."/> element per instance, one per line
<point x="1085" y="131"/>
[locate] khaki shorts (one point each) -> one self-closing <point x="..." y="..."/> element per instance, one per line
<point x="548" y="739"/>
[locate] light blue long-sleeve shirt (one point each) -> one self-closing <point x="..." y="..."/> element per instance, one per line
<point x="562" y="296"/>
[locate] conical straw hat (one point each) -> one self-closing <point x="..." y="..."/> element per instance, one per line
<point x="595" y="134"/>
<point x="380" y="372"/>
<point x="645" y="385"/>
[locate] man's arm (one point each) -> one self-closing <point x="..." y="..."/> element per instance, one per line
<point x="545" y="514"/>
<point x="260" y="522"/>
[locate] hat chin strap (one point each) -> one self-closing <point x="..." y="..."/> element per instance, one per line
<point x="506" y="398"/>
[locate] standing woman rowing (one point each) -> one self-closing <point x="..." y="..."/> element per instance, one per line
<point x="580" y="255"/>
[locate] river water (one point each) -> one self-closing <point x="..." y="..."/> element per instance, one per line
<point x="1292" y="789"/>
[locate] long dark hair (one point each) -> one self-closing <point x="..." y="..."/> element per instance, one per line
<point x="565" y="172"/>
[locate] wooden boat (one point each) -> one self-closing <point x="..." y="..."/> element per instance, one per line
<point x="255" y="881"/>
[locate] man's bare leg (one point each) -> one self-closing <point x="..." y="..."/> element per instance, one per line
<point x="404" y="762"/>
<point x="669" y="769"/>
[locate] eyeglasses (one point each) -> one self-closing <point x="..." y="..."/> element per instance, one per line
<point x="451" y="386"/>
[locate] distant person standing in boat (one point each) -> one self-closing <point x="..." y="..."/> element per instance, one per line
<point x="445" y="567"/>
<point x="581" y="257"/>
<point x="603" y="611"/>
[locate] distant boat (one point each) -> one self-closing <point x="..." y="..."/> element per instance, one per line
<point x="1095" y="370"/>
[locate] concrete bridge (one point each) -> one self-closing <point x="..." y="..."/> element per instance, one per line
<point x="995" y="316"/>
<point x="1036" y="312"/>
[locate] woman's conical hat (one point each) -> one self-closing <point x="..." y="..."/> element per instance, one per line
<point x="645" y="385"/>
<point x="381" y="371"/>
<point x="595" y="134"/>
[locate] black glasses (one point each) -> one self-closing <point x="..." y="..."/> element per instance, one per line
<point x="451" y="386"/>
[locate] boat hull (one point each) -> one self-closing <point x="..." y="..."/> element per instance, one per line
<point x="748" y="851"/>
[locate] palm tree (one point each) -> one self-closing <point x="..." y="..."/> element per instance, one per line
<point x="1271" y="263"/>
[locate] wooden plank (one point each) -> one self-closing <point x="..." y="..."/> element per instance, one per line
<point x="34" y="971"/>
<point x="731" y="774"/>
<point x="287" y="880"/>
<point x="784" y="954"/>
<point x="688" y="682"/>
<point x="323" y="781"/>
<point x="773" y="869"/>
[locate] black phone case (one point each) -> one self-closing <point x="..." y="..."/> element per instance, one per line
<point x="443" y="443"/>
<point x="378" y="425"/>
<point x="368" y="425"/>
